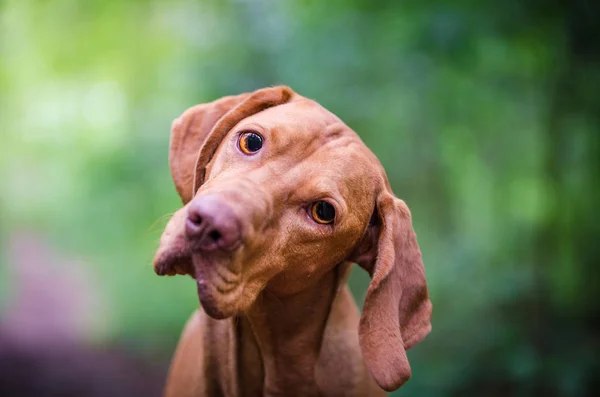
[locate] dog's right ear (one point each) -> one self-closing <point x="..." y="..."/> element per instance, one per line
<point x="196" y="134"/>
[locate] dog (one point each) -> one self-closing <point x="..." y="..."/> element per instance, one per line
<point x="280" y="199"/>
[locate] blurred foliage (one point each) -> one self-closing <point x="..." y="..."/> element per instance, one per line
<point x="486" y="116"/>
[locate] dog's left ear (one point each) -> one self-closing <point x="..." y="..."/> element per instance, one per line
<point x="397" y="311"/>
<point x="197" y="133"/>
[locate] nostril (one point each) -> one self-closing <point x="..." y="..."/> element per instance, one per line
<point x="194" y="225"/>
<point x="195" y="218"/>
<point x="215" y="235"/>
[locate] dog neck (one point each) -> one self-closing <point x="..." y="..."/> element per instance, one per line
<point x="287" y="331"/>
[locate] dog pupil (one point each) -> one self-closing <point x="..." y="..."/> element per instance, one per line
<point x="325" y="211"/>
<point x="253" y="142"/>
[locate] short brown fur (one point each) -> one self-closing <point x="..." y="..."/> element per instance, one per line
<point x="279" y="319"/>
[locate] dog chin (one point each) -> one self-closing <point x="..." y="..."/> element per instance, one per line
<point x="209" y="303"/>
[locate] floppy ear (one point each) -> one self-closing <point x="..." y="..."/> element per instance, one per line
<point x="197" y="133"/>
<point x="188" y="133"/>
<point x="397" y="311"/>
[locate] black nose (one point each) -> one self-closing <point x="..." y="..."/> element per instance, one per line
<point x="212" y="225"/>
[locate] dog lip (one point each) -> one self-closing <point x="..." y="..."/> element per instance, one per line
<point x="218" y="250"/>
<point x="217" y="284"/>
<point x="170" y="263"/>
<point x="217" y="273"/>
<point x="237" y="243"/>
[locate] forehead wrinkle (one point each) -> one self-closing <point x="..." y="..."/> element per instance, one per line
<point x="284" y="159"/>
<point x="322" y="181"/>
<point x="337" y="129"/>
<point x="302" y="118"/>
<point x="324" y="138"/>
<point x="303" y="134"/>
<point x="353" y="172"/>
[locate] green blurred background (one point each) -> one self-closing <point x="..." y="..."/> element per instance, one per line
<point x="485" y="114"/>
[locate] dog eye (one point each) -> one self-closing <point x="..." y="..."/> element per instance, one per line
<point x="250" y="142"/>
<point x="323" y="212"/>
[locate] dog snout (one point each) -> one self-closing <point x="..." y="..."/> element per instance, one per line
<point x="212" y="225"/>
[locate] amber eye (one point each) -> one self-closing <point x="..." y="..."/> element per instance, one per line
<point x="323" y="212"/>
<point x="250" y="142"/>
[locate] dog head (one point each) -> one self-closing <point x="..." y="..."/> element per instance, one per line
<point x="278" y="191"/>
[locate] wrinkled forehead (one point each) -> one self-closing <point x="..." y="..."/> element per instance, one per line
<point x="342" y="167"/>
<point x="300" y="121"/>
<point x="308" y="143"/>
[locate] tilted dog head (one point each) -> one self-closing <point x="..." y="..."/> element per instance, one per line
<point x="277" y="191"/>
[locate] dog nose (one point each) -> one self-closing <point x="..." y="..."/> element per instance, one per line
<point x="212" y="225"/>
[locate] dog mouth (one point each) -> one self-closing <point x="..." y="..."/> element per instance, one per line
<point x="217" y="272"/>
<point x="217" y="278"/>
<point x="173" y="262"/>
<point x="218" y="285"/>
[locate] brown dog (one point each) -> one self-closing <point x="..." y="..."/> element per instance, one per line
<point x="280" y="198"/>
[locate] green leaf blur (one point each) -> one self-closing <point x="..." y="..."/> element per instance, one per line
<point x="486" y="116"/>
